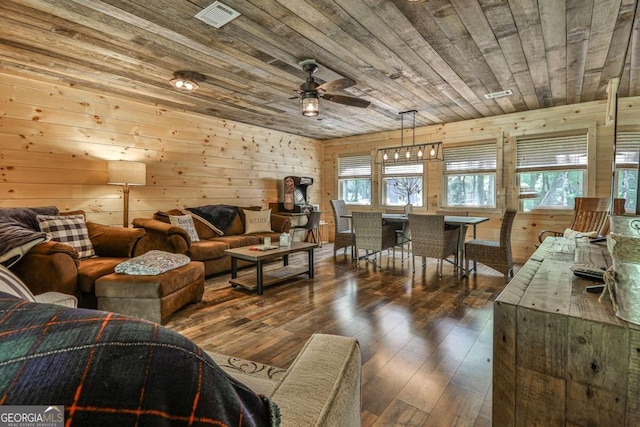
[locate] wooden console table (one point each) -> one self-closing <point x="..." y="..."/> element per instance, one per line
<point x="560" y="357"/>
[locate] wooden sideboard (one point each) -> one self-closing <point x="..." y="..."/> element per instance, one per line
<point x="560" y="357"/>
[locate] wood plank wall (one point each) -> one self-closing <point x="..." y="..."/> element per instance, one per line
<point x="589" y="117"/>
<point x="55" y="141"/>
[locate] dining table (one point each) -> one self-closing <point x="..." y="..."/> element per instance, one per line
<point x="461" y="220"/>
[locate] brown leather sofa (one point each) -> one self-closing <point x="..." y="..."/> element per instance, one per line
<point x="54" y="266"/>
<point x="162" y="235"/>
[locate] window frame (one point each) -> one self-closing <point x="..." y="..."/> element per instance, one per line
<point x="359" y="161"/>
<point x="483" y="168"/>
<point x="628" y="140"/>
<point x="384" y="176"/>
<point x="587" y="167"/>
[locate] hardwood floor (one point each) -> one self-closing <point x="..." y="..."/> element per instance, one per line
<point x="426" y="342"/>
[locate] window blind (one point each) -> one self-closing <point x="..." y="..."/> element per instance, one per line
<point x="470" y="158"/>
<point x="354" y="166"/>
<point x="561" y="152"/>
<point x="628" y="149"/>
<point x="406" y="169"/>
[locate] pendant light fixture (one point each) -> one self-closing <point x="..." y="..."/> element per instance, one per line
<point x="414" y="153"/>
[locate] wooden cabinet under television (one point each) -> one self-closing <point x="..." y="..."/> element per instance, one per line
<point x="560" y="356"/>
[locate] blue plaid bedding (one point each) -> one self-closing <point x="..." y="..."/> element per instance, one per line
<point x="112" y="370"/>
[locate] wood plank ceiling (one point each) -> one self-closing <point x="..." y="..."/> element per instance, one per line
<point x="439" y="57"/>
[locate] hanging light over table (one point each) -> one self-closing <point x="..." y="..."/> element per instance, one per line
<point x="414" y="153"/>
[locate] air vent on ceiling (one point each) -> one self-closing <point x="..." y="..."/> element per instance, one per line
<point x="500" y="94"/>
<point x="217" y="14"/>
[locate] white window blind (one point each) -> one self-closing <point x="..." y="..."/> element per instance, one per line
<point x="354" y="166"/>
<point x="561" y="152"/>
<point x="406" y="169"/>
<point x="628" y="149"/>
<point x="470" y="158"/>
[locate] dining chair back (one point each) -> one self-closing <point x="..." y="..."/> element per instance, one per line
<point x="343" y="234"/>
<point x="371" y="235"/>
<point x="430" y="238"/>
<point x="311" y="228"/>
<point x="494" y="254"/>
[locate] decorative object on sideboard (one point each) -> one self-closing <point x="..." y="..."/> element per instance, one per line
<point x="623" y="277"/>
<point x="410" y="154"/>
<point x="126" y="173"/>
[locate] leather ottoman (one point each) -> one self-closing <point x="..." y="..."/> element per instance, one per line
<point x="153" y="298"/>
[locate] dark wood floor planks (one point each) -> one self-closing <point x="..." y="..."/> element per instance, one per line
<point x="426" y="341"/>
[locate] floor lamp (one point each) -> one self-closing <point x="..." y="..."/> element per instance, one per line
<point x="126" y="173"/>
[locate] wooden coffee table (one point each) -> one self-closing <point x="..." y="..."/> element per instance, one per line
<point x="261" y="279"/>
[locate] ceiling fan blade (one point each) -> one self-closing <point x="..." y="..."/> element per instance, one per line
<point x="342" y="83"/>
<point x="346" y="100"/>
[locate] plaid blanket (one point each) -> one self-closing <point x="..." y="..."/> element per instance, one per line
<point x="112" y="370"/>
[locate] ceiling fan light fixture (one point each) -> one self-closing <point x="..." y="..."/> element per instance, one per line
<point x="310" y="104"/>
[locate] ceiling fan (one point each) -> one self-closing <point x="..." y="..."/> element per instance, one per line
<point x="310" y="91"/>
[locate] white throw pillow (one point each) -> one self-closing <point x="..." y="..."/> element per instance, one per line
<point x="573" y="233"/>
<point x="185" y="222"/>
<point x="69" y="229"/>
<point x="257" y="221"/>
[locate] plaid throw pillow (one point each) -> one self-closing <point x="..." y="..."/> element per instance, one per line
<point x="69" y="229"/>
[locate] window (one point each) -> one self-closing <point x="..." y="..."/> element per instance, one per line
<point x="551" y="170"/>
<point x="354" y="179"/>
<point x="470" y="175"/>
<point x="627" y="158"/>
<point x="402" y="184"/>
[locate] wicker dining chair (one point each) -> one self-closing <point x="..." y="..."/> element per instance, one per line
<point x="343" y="234"/>
<point x="590" y="214"/>
<point x="496" y="255"/>
<point x="431" y="238"/>
<point x="372" y="236"/>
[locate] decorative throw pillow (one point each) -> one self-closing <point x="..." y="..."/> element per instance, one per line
<point x="186" y="222"/>
<point x="70" y="229"/>
<point x="573" y="233"/>
<point x="11" y="284"/>
<point x="152" y="263"/>
<point x="257" y="221"/>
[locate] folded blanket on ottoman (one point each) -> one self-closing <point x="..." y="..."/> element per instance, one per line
<point x="152" y="263"/>
<point x="112" y="370"/>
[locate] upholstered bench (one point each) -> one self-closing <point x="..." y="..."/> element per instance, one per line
<point x="151" y="297"/>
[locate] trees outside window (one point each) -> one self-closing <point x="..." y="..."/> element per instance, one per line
<point x="402" y="184"/>
<point x="470" y="175"/>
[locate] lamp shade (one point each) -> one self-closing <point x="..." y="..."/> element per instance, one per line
<point x="126" y="173"/>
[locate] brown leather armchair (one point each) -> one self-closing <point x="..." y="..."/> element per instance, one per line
<point x="54" y="266"/>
